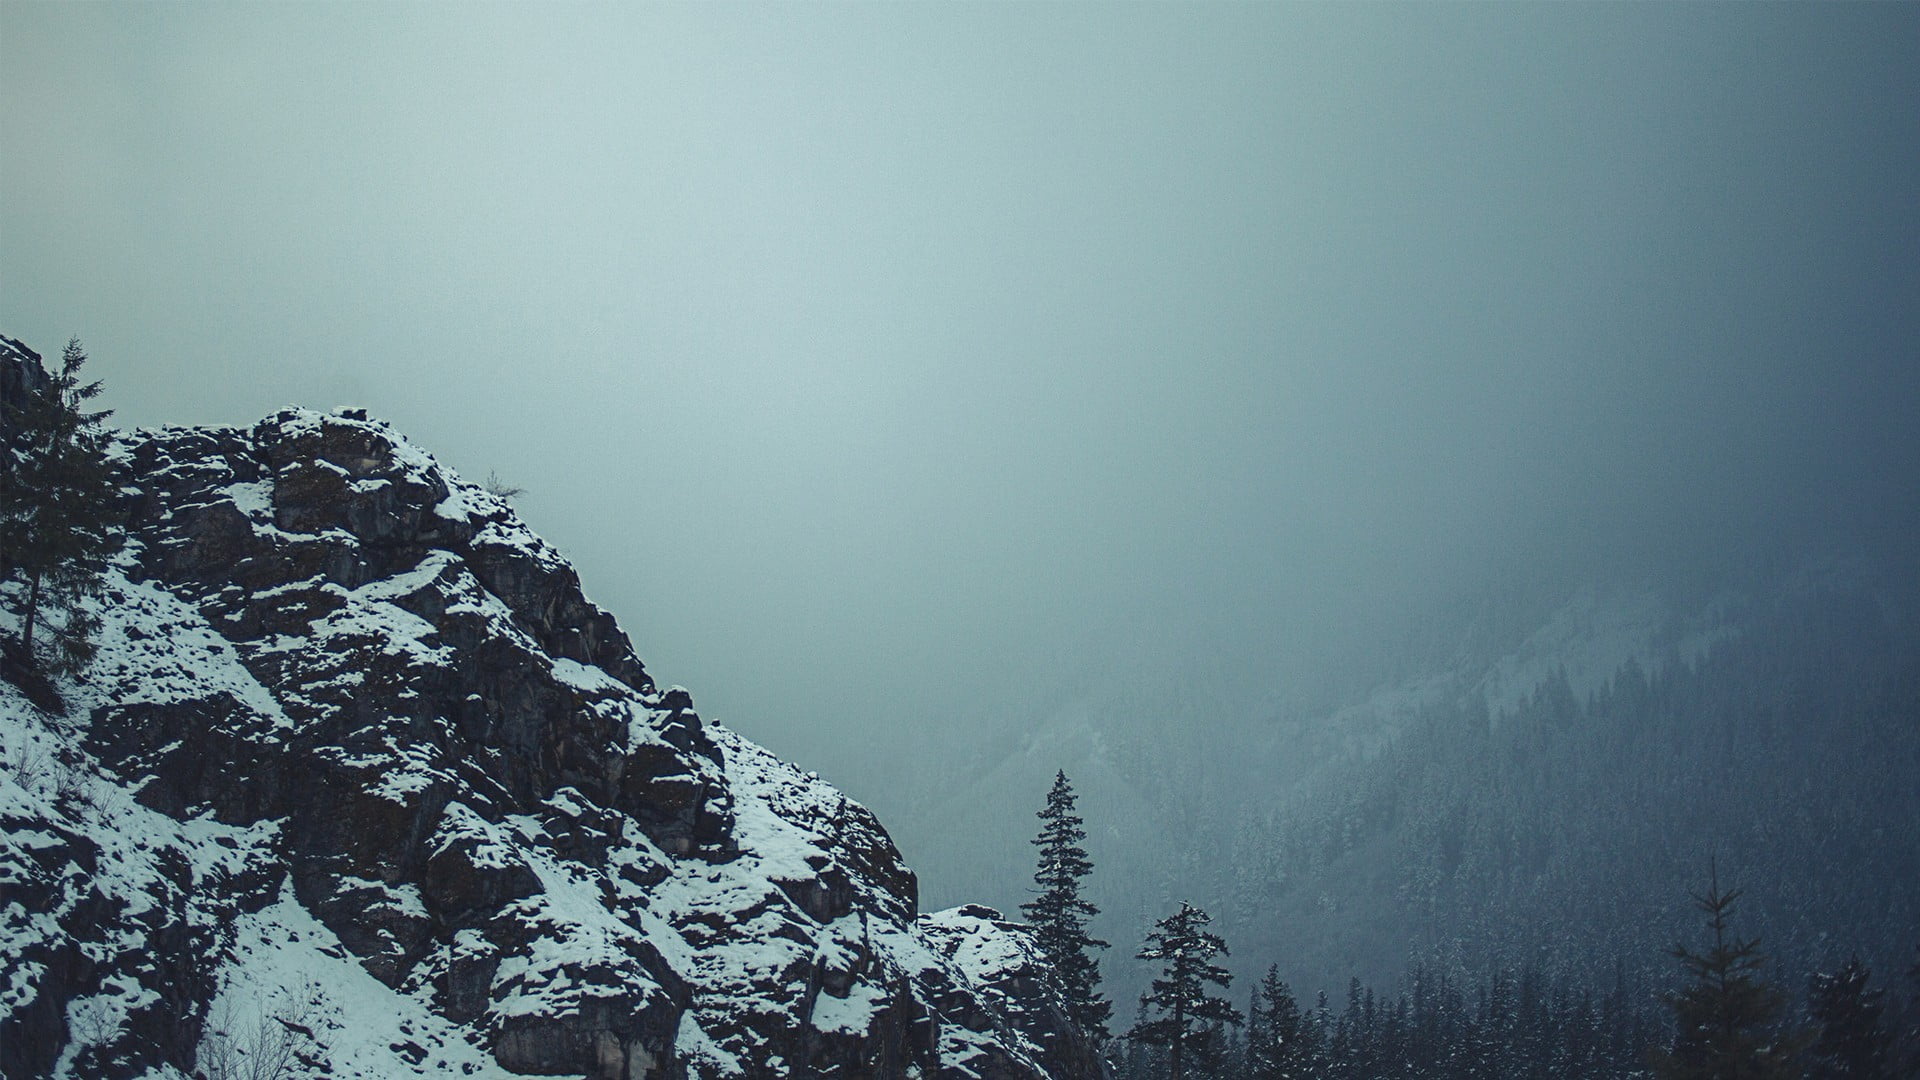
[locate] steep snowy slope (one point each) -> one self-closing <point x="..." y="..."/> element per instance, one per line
<point x="361" y="784"/>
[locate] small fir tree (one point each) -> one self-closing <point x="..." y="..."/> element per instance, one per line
<point x="1908" y="1051"/>
<point x="56" y="501"/>
<point x="1727" y="1022"/>
<point x="1059" y="914"/>
<point x="1853" y="1043"/>
<point x="1187" y="1010"/>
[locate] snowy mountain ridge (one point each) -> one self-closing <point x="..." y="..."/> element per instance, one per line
<point x="361" y="784"/>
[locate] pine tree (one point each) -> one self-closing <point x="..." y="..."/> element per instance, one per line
<point x="1186" y="1009"/>
<point x="1279" y="1046"/>
<point x="1853" y="1043"/>
<point x="1727" y="1022"/>
<point x="1320" y="1028"/>
<point x="56" y="501"/>
<point x="1909" y="1050"/>
<point x="1059" y="914"/>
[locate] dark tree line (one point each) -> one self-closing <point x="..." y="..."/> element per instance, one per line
<point x="1725" y="1021"/>
<point x="1510" y="1025"/>
<point x="1722" y="1016"/>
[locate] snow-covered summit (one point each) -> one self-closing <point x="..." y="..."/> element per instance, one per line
<point x="361" y="782"/>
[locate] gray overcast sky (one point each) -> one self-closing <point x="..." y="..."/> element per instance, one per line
<point x="874" y="361"/>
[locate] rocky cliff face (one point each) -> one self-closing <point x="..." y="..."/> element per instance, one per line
<point x="361" y="784"/>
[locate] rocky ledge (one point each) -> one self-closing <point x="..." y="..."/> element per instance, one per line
<point x="361" y="784"/>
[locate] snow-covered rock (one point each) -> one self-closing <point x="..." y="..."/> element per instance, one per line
<point x="361" y="784"/>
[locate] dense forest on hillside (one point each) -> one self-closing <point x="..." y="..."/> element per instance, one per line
<point x="1563" y="834"/>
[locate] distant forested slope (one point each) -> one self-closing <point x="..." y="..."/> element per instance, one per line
<point x="1566" y="832"/>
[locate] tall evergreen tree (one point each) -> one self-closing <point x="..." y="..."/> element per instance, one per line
<point x="1059" y="914"/>
<point x="1279" y="1044"/>
<point x="1727" y="1022"/>
<point x="56" y="502"/>
<point x="1853" y="1043"/>
<point x="1187" y="1010"/>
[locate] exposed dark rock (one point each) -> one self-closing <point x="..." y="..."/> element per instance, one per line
<point x="471" y="871"/>
<point x="21" y="374"/>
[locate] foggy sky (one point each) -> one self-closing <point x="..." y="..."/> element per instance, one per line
<point x="879" y="364"/>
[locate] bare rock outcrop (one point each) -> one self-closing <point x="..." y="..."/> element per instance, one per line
<point x="360" y="775"/>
